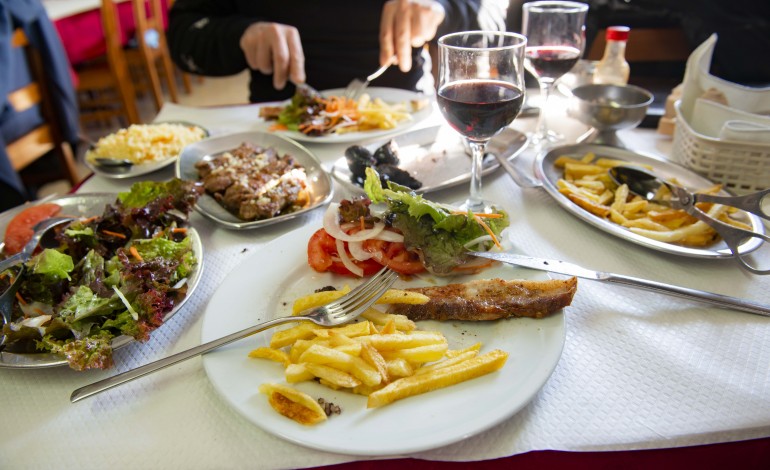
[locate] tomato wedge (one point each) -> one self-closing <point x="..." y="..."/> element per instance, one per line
<point x="322" y="256"/>
<point x="19" y="230"/>
<point x="395" y="256"/>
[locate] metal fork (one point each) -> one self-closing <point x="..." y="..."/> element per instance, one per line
<point x="341" y="311"/>
<point x="356" y="88"/>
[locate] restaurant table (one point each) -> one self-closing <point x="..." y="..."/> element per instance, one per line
<point x="643" y="379"/>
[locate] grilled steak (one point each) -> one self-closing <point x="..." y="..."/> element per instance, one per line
<point x="490" y="299"/>
<point x="255" y="183"/>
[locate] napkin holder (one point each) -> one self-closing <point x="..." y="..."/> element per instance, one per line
<point x="722" y="130"/>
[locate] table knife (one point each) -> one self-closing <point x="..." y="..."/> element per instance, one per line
<point x="569" y="269"/>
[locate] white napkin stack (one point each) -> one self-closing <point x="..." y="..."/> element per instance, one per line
<point x="720" y="109"/>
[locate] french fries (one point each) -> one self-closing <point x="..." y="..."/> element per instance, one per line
<point x="293" y="404"/>
<point x="383" y="356"/>
<point x="377" y="114"/>
<point x="587" y="184"/>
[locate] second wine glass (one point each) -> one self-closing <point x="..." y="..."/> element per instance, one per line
<point x="480" y="92"/>
<point x="555" y="40"/>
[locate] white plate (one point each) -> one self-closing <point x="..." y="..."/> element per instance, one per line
<point x="142" y="168"/>
<point x="87" y="205"/>
<point x="389" y="95"/>
<point x="436" y="157"/>
<point x="320" y="185"/>
<point x="251" y="294"/>
<point x="549" y="175"/>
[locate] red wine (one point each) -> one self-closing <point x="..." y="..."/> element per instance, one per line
<point x="479" y="109"/>
<point x="551" y="62"/>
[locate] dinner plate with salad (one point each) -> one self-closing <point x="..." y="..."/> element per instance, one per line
<point x="327" y="117"/>
<point x="123" y="266"/>
<point x="419" y="422"/>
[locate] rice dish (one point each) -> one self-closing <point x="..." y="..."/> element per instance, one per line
<point x="146" y="143"/>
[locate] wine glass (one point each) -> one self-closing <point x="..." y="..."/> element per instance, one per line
<point x="555" y="39"/>
<point x="480" y="92"/>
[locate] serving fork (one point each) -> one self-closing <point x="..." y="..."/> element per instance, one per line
<point x="343" y="310"/>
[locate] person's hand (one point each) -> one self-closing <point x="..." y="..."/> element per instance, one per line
<point x="406" y="24"/>
<point x="274" y="48"/>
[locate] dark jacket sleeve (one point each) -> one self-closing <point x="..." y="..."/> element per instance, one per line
<point x="204" y="36"/>
<point x="470" y="15"/>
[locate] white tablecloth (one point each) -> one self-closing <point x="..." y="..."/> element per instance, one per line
<point x="638" y="370"/>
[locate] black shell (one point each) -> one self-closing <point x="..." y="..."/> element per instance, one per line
<point x="387" y="154"/>
<point x="397" y="175"/>
<point x="359" y="158"/>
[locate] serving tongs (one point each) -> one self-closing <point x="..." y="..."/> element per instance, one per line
<point x="646" y="185"/>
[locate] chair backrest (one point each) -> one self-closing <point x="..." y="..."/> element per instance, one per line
<point x="105" y="89"/>
<point x="47" y="136"/>
<point x="152" y="49"/>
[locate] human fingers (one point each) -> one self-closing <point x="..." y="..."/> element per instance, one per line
<point x="426" y="16"/>
<point x="296" y="59"/>
<point x="395" y="34"/>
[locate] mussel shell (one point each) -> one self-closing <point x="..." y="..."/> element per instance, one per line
<point x="359" y="158"/>
<point x="397" y="175"/>
<point x="387" y="154"/>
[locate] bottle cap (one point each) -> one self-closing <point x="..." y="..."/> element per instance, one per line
<point x="618" y="33"/>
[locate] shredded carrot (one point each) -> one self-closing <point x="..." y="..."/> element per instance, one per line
<point x="89" y="220"/>
<point x="20" y="299"/>
<point x="135" y="253"/>
<point x="278" y="127"/>
<point x="487" y="229"/>
<point x="179" y="230"/>
<point x="114" y="234"/>
<point x="363" y="225"/>
<point x="480" y="214"/>
<point x="39" y="312"/>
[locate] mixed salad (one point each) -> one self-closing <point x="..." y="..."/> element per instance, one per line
<point x="315" y="115"/>
<point x="404" y="231"/>
<point x="115" y="274"/>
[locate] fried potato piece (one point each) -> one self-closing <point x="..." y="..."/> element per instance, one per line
<point x="444" y="377"/>
<point x="271" y="354"/>
<point x="293" y="404"/>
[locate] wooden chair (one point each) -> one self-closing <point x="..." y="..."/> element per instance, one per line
<point x="47" y="137"/>
<point x="105" y="90"/>
<point x="151" y="51"/>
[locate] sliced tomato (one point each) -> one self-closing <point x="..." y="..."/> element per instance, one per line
<point x="322" y="256"/>
<point x="19" y="230"/>
<point x="395" y="256"/>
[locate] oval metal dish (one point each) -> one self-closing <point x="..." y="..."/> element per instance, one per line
<point x="548" y="175"/>
<point x="320" y="185"/>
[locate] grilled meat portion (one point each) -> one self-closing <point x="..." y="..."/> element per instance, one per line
<point x="255" y="183"/>
<point x="491" y="299"/>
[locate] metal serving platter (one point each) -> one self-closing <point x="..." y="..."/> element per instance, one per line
<point x="320" y="184"/>
<point x="548" y="175"/>
<point x="88" y="205"/>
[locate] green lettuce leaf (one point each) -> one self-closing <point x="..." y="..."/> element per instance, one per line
<point x="52" y="263"/>
<point x="437" y="234"/>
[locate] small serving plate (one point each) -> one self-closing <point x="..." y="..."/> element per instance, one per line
<point x="436" y="156"/>
<point x="320" y="185"/>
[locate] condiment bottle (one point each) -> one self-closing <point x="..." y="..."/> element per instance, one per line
<point x="613" y="68"/>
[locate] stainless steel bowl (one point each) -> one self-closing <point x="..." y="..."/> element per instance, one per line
<point x="607" y="109"/>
